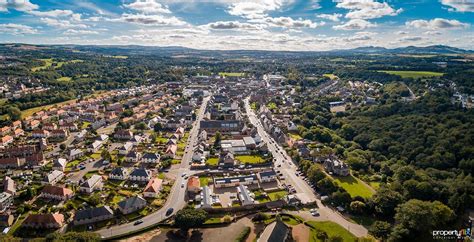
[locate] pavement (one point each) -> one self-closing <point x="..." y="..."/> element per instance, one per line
<point x="288" y="169"/>
<point x="176" y="198"/>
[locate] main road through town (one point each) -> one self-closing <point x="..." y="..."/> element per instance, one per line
<point x="288" y="169"/>
<point x="176" y="198"/>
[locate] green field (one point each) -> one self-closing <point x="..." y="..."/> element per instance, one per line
<point x="332" y="229"/>
<point x="231" y="74"/>
<point x="204" y="180"/>
<point x="213" y="161"/>
<point x="64" y="79"/>
<point x="414" y="74"/>
<point x="277" y="195"/>
<point x="330" y="76"/>
<point x="49" y="62"/>
<point x="249" y="159"/>
<point x="354" y="186"/>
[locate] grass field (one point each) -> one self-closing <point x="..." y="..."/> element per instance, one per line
<point x="330" y="76"/>
<point x="212" y="161"/>
<point x="49" y="62"/>
<point x="231" y="74"/>
<point x="354" y="186"/>
<point x="204" y="180"/>
<point x="64" y="79"/>
<point x="295" y="136"/>
<point x="332" y="229"/>
<point x="414" y="74"/>
<point x="277" y="195"/>
<point x="250" y="159"/>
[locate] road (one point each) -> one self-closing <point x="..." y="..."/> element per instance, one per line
<point x="176" y="198"/>
<point x="288" y="169"/>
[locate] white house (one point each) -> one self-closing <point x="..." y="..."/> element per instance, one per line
<point x="92" y="184"/>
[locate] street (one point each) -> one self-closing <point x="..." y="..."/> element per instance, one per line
<point x="288" y="169"/>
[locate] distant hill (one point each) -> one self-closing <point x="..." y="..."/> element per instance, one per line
<point x="183" y="51"/>
<point x="433" y="49"/>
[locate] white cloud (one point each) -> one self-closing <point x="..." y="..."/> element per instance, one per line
<point x="80" y="32"/>
<point x="152" y="19"/>
<point x="367" y="9"/>
<point x="355" y="24"/>
<point x="459" y="5"/>
<point x="62" y="24"/>
<point x="228" y="25"/>
<point x="148" y="6"/>
<point x="53" y="13"/>
<point x="437" y="23"/>
<point x="19" y="5"/>
<point x="255" y="9"/>
<point x="16" y="29"/>
<point x="361" y="36"/>
<point x="410" y="39"/>
<point x="333" y="17"/>
<point x="288" y="22"/>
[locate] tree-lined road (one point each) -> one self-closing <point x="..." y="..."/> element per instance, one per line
<point x="288" y="170"/>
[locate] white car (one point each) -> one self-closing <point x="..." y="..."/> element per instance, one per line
<point x="314" y="212"/>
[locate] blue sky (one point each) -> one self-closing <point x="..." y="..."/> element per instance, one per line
<point x="240" y="24"/>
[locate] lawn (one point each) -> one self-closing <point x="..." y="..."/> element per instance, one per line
<point x="212" y="161"/>
<point x="414" y="74"/>
<point x="250" y="159"/>
<point x="277" y="195"/>
<point x="331" y="229"/>
<point x="204" y="180"/>
<point x="354" y="186"/>
<point x="64" y="79"/>
<point x="295" y="136"/>
<point x="46" y="63"/>
<point x="330" y="76"/>
<point x="290" y="220"/>
<point x="73" y="163"/>
<point x="85" y="125"/>
<point x="90" y="174"/>
<point x="231" y="74"/>
<point x="213" y="220"/>
<point x="95" y="156"/>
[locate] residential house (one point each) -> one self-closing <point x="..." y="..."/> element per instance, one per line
<point x="16" y="124"/>
<point x="151" y="158"/>
<point x="13" y="162"/>
<point x="277" y="231"/>
<point x="75" y="154"/>
<point x="227" y="159"/>
<point x="132" y="157"/>
<point x="95" y="146"/>
<point x="171" y="151"/>
<point x="140" y="174"/>
<point x="93" y="215"/>
<point x="6" y="200"/>
<point x="59" y="133"/>
<point x="40" y="133"/>
<point x="132" y="204"/>
<point x="336" y="167"/>
<point x="235" y="181"/>
<point x="56" y="193"/>
<point x="125" y="148"/>
<point x="53" y="177"/>
<point x="18" y="132"/>
<point x="153" y="188"/>
<point x="206" y="197"/>
<point x="119" y="173"/>
<point x="44" y="221"/>
<point x="9" y="185"/>
<point x="194" y="185"/>
<point x="267" y="176"/>
<point x="244" y="195"/>
<point x="94" y="183"/>
<point x="59" y="164"/>
<point x="123" y="134"/>
<point x="6" y="140"/>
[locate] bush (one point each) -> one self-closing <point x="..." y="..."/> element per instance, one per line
<point x="260" y="217"/>
<point x="243" y="235"/>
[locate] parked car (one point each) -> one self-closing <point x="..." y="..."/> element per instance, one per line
<point x="314" y="212"/>
<point x="169" y="211"/>
<point x="138" y="222"/>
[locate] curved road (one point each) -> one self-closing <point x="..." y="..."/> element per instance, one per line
<point x="289" y="171"/>
<point x="176" y="198"/>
